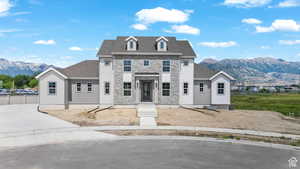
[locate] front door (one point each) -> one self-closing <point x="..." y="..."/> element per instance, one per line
<point x="146" y="91"/>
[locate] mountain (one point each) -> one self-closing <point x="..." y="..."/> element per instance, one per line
<point x="13" y="68"/>
<point x="262" y="70"/>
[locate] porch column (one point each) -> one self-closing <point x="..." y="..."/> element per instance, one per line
<point x="137" y="89"/>
<point x="155" y="91"/>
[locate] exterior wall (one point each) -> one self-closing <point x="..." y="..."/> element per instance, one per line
<point x="106" y="74"/>
<point x="186" y="76"/>
<point x="217" y="99"/>
<point x="138" y="66"/>
<point x="59" y="97"/>
<point x="83" y="97"/>
<point x="202" y="98"/>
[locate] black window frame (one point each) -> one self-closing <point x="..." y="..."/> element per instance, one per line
<point x="185" y="88"/>
<point x="78" y="86"/>
<point x="106" y="88"/>
<point x="89" y="87"/>
<point x="146" y="61"/>
<point x="166" y="65"/>
<point x="166" y="89"/>
<point x="127" y="86"/>
<point x="221" y="88"/>
<point x="51" y="88"/>
<point x="127" y="65"/>
<point x="201" y="87"/>
<point x="185" y="63"/>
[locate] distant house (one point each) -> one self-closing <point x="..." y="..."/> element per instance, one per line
<point x="134" y="70"/>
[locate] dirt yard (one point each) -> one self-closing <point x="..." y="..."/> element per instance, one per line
<point x="110" y="117"/>
<point x="236" y="119"/>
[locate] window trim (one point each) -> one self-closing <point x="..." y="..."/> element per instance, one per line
<point x="80" y="87"/>
<point x="124" y="65"/>
<point x="201" y="87"/>
<point x="106" y="93"/>
<point x="186" y="88"/>
<point x="169" y="65"/>
<point x="169" y="89"/>
<point x="125" y="89"/>
<point x="221" y="88"/>
<point x="49" y="93"/>
<point x="89" y="91"/>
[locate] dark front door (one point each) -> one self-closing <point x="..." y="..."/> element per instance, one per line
<point x="146" y="91"/>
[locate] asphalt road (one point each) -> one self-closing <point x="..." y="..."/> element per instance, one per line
<point x="146" y="154"/>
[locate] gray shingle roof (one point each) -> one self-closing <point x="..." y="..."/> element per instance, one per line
<point x="84" y="69"/>
<point x="146" y="44"/>
<point x="203" y="72"/>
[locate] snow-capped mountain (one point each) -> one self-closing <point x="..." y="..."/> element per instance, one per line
<point x="13" y="68"/>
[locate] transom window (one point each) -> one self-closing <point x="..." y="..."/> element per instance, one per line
<point x="78" y="87"/>
<point x="166" y="89"/>
<point x="89" y="87"/>
<point x="166" y="66"/>
<point x="106" y="87"/>
<point x="52" y="88"/>
<point x="221" y="88"/>
<point x="127" y="65"/>
<point x="201" y="87"/>
<point x="146" y="62"/>
<point x="185" y="88"/>
<point x="127" y="88"/>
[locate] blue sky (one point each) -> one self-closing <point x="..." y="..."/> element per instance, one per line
<point x="63" y="32"/>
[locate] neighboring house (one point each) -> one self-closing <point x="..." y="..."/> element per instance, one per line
<point x="133" y="70"/>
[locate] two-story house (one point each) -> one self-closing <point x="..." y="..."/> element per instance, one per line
<point x="134" y="70"/>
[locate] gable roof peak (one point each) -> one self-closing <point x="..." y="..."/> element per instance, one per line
<point x="131" y="37"/>
<point x="162" y="37"/>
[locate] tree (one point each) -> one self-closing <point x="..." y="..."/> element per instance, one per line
<point x="33" y="83"/>
<point x="22" y="80"/>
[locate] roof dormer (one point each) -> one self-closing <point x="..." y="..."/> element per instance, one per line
<point x="162" y="44"/>
<point x="131" y="43"/>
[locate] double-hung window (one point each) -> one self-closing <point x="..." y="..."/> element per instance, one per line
<point x="106" y="88"/>
<point x="185" y="88"/>
<point x="161" y="45"/>
<point x="127" y="88"/>
<point x="127" y="65"/>
<point x="78" y="87"/>
<point x="221" y="88"/>
<point x="146" y="62"/>
<point x="89" y="87"/>
<point x="166" y="89"/>
<point x="166" y="66"/>
<point x="201" y="87"/>
<point x="52" y="88"/>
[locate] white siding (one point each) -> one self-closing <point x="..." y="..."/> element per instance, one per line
<point x="106" y="75"/>
<point x="186" y="76"/>
<point x="59" y="97"/>
<point x="216" y="98"/>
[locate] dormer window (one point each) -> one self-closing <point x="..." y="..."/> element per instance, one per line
<point x="131" y="43"/>
<point x="162" y="44"/>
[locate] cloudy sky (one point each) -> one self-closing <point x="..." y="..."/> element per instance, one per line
<point x="63" y="32"/>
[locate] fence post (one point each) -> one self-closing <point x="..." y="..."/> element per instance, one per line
<point x="25" y="99"/>
<point x="8" y="99"/>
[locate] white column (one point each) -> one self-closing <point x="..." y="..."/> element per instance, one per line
<point x="137" y="89"/>
<point x="155" y="91"/>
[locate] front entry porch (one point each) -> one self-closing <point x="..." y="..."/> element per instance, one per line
<point x="146" y="87"/>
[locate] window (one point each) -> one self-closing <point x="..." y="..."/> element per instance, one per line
<point x="127" y="65"/>
<point x="131" y="44"/>
<point x="146" y="63"/>
<point x="185" y="88"/>
<point x="166" y="89"/>
<point x="166" y="66"/>
<point x="221" y="88"/>
<point x="185" y="63"/>
<point x="52" y="88"/>
<point x="106" y="88"/>
<point x="89" y="87"/>
<point x="161" y="45"/>
<point x="78" y="87"/>
<point x="127" y="89"/>
<point x="106" y="62"/>
<point x="201" y="87"/>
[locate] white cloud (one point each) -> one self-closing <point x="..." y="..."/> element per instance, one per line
<point x="139" y="26"/>
<point x="45" y="42"/>
<point x="298" y="54"/>
<point x="280" y="25"/>
<point x="5" y="5"/>
<point x="75" y="48"/>
<point x="186" y="29"/>
<point x="159" y="14"/>
<point x="289" y="3"/>
<point x="251" y="21"/>
<point x="218" y="44"/>
<point x="3" y="31"/>
<point x="246" y="3"/>
<point x="265" y="47"/>
<point x="289" y="42"/>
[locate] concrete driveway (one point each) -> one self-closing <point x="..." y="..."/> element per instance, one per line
<point x="24" y="117"/>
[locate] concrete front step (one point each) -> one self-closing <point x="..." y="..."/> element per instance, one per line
<point x="147" y="114"/>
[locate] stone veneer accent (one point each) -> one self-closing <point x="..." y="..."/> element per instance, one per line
<point x="154" y="67"/>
